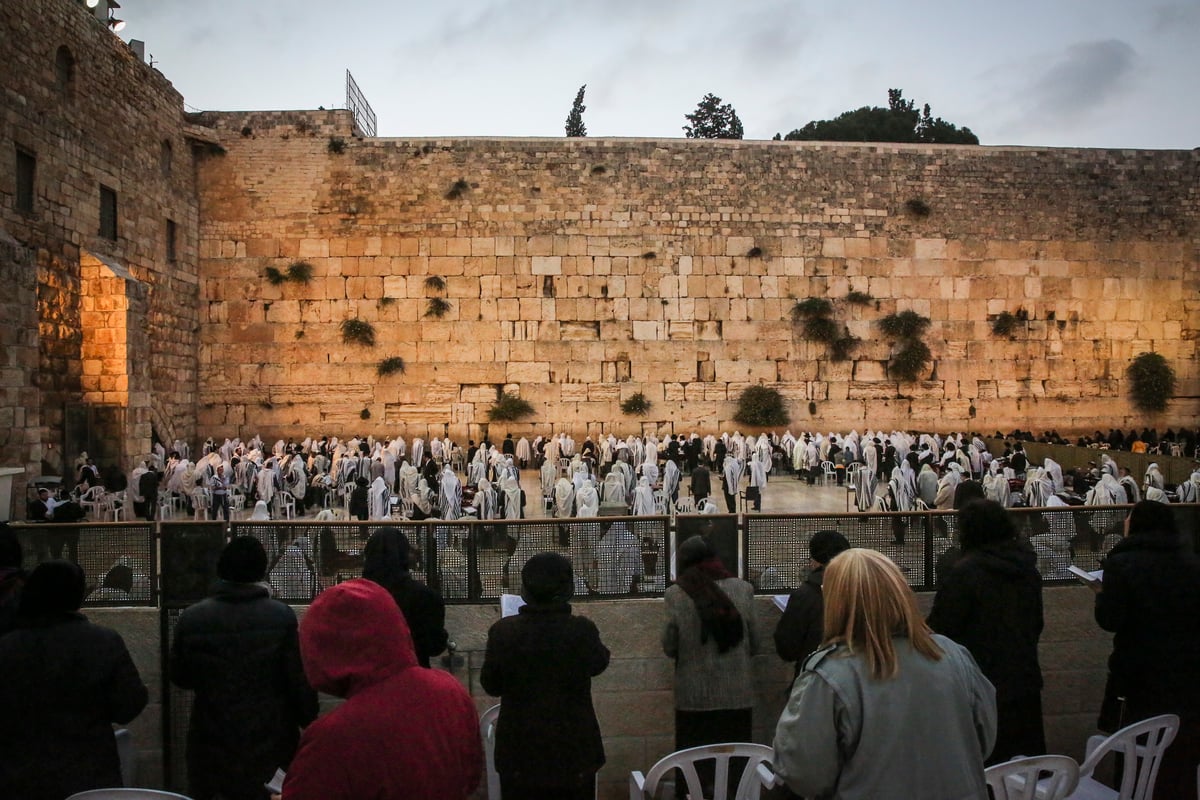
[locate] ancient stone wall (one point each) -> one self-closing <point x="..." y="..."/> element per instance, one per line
<point x="578" y="272"/>
<point x="90" y="113"/>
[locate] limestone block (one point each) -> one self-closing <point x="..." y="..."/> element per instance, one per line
<point x="314" y="248"/>
<point x="646" y="331"/>
<point x="858" y="390"/>
<point x="528" y="371"/>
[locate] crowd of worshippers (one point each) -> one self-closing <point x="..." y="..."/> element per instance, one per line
<point x="884" y="702"/>
<point x="374" y="478"/>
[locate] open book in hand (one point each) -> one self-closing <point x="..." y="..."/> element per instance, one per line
<point x="1084" y="576"/>
<point x="275" y="785"/>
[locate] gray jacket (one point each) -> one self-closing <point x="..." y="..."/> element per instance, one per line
<point x="706" y="680"/>
<point x="923" y="734"/>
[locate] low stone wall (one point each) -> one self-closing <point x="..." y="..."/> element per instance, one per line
<point x="633" y="697"/>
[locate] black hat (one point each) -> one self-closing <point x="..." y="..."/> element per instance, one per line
<point x="694" y="550"/>
<point x="547" y="578"/>
<point x="53" y="587"/>
<point x="826" y="544"/>
<point x="242" y="561"/>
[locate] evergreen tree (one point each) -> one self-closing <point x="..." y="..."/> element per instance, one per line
<point x="575" y="126"/>
<point x="712" y="120"/>
<point x="899" y="122"/>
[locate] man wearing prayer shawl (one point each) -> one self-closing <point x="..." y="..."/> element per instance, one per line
<point x="451" y="494"/>
<point x="619" y="558"/>
<point x="732" y="473"/>
<point x="564" y="498"/>
<point x="587" y="501"/>
<point x="380" y="499"/>
<point x="643" y="499"/>
<point x="758" y="479"/>
<point x="671" y="481"/>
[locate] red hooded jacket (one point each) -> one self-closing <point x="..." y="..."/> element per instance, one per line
<point x="403" y="732"/>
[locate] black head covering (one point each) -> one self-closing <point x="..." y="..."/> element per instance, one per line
<point x="54" y="587"/>
<point x="699" y="571"/>
<point x="826" y="544"/>
<point x="547" y="578"/>
<point x="119" y="577"/>
<point x="966" y="491"/>
<point x="385" y="558"/>
<point x="242" y="561"/>
<point x="694" y="550"/>
<point x="1151" y="516"/>
<point x="983" y="522"/>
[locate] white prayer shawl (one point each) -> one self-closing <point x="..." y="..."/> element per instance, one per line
<point x="864" y="488"/>
<point x="1132" y="491"/>
<point x="1157" y="495"/>
<point x="512" y="498"/>
<point x="423" y="497"/>
<point x="799" y="456"/>
<point x="787" y="443"/>
<point x="1038" y="487"/>
<point x="567" y="446"/>
<point x="1107" y="492"/>
<point x="292" y="576"/>
<point x="1154" y="479"/>
<point x="409" y="478"/>
<point x="871" y="456"/>
<point x="995" y="488"/>
<point x="1108" y="465"/>
<point x="547" y="474"/>
<point x="758" y="471"/>
<point x="902" y="491"/>
<point x="1189" y="490"/>
<point x="732" y="474"/>
<point x="1056" y="475"/>
<point x="451" y="494"/>
<point x="579" y="477"/>
<point x="297" y="480"/>
<point x="418" y="450"/>
<point x="261" y="513"/>
<point x="476" y="473"/>
<point x="614" y="488"/>
<point x="707" y="506"/>
<point x="564" y="498"/>
<point x="620" y="559"/>
<point x="710" y="447"/>
<point x="606" y="450"/>
<point x="379" y="498"/>
<point x="485" y="501"/>
<point x="134" y="479"/>
<point x="587" y="501"/>
<point x="671" y="479"/>
<point x="266" y="484"/>
<point x="650" y="473"/>
<point x="626" y="472"/>
<point x="947" y="486"/>
<point x="435" y="449"/>
<point x="643" y="499"/>
<point x="764" y="452"/>
<point x="524" y="452"/>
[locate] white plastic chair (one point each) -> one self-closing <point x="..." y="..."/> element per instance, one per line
<point x="1020" y="778"/>
<point x="1141" y="759"/>
<point x="126" y="755"/>
<point x="827" y="472"/>
<point x="685" y="505"/>
<point x="92" y="502"/>
<point x="126" y="794"/>
<point x="645" y="787"/>
<point x="116" y="505"/>
<point x="287" y="505"/>
<point x="487" y="729"/>
<point x="201" y="503"/>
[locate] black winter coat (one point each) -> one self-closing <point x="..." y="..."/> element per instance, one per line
<point x="425" y="612"/>
<point x="800" y="629"/>
<point x="540" y="663"/>
<point x="63" y="683"/>
<point x="1151" y="601"/>
<point x="238" y="650"/>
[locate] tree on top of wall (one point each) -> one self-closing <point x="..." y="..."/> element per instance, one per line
<point x="575" y="126"/>
<point x="899" y="122"/>
<point x="713" y="120"/>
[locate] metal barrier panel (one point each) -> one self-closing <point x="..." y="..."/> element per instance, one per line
<point x="123" y="552"/>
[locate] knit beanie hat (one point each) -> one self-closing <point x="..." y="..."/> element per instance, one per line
<point x="547" y="578"/>
<point x="826" y="544"/>
<point x="242" y="561"/>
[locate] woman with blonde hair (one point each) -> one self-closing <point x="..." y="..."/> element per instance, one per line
<point x="885" y="708"/>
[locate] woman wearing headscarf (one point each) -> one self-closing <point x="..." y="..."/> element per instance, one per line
<point x="884" y="708"/>
<point x="540" y="663"/>
<point x="385" y="561"/>
<point x="1150" y="599"/>
<point x="65" y="682"/>
<point x="991" y="603"/>
<point x="711" y="634"/>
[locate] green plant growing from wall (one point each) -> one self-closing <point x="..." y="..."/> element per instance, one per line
<point x="811" y="307"/>
<point x="274" y="276"/>
<point x="337" y="145"/>
<point x="437" y="307"/>
<point x="364" y="414"/>
<point x="387" y="301"/>
<point x="636" y="405"/>
<point x="391" y="366"/>
<point x="762" y="407"/>
<point x="843" y="346"/>
<point x="913" y="355"/>
<point x="300" y="272"/>
<point x="857" y="298"/>
<point x="457" y="189"/>
<point x="1151" y="382"/>
<point x="435" y="283"/>
<point x="917" y="207"/>
<point x="1004" y="324"/>
<point x="357" y="331"/>
<point x="821" y="329"/>
<point x="509" y="408"/>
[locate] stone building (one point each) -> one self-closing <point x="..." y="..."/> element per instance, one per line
<point x="177" y="275"/>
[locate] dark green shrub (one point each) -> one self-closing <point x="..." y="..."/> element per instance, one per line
<point x="905" y="325"/>
<point x="435" y="283"/>
<point x="508" y="407"/>
<point x="337" y="145"/>
<point x="910" y="360"/>
<point x="859" y="298"/>
<point x="300" y="272"/>
<point x="387" y="301"/>
<point x="1152" y="382"/>
<point x="754" y="252"/>
<point x="458" y="189"/>
<point x="762" y="407"/>
<point x="917" y="207"/>
<point x="821" y="329"/>
<point x="357" y="331"/>
<point x="364" y="414"/>
<point x="274" y="276"/>
<point x="1004" y="324"/>
<point x="842" y="347"/>
<point x="438" y="307"/>
<point x="812" y="307"/>
<point x="390" y="366"/>
<point x="636" y="405"/>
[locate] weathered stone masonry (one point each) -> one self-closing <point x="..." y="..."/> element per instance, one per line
<point x="580" y="271"/>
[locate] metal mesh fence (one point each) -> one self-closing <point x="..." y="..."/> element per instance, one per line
<point x="120" y="560"/>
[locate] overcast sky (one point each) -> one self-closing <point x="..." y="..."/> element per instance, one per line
<point x="1085" y="73"/>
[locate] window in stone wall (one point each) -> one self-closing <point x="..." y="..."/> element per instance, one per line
<point x="26" y="175"/>
<point x="172" y="233"/>
<point x="108" y="213"/>
<point x="165" y="157"/>
<point x="64" y="69"/>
